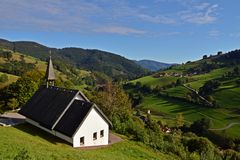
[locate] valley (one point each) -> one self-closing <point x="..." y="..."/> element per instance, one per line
<point x="203" y="92"/>
<point x="165" y="94"/>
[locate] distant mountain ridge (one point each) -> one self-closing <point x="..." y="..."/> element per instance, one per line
<point x="112" y="65"/>
<point x="153" y="65"/>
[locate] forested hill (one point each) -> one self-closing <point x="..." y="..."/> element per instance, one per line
<point x="153" y="65"/>
<point x="112" y="65"/>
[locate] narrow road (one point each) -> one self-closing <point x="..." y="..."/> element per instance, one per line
<point x="196" y="92"/>
<point x="224" y="128"/>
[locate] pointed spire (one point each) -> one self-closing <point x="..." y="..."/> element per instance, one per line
<point x="50" y="76"/>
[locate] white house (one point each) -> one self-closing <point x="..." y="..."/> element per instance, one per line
<point x="67" y="114"/>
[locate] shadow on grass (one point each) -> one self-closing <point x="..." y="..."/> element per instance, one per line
<point x="232" y="118"/>
<point x="236" y="111"/>
<point x="221" y="89"/>
<point x="34" y="131"/>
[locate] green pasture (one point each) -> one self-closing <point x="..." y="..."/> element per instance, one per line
<point x="228" y="96"/>
<point x="169" y="107"/>
<point x="153" y="82"/>
<point x="41" y="145"/>
<point x="199" y="80"/>
<point x="11" y="79"/>
<point x="178" y="91"/>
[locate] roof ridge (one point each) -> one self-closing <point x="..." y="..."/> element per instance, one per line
<point x="61" y="89"/>
<point x="65" y="110"/>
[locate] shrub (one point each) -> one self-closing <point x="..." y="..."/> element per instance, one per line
<point x="3" y="78"/>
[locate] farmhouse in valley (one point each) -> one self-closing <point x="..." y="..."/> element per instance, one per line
<point x="67" y="114"/>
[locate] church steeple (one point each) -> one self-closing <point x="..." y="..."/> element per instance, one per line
<point x="50" y="76"/>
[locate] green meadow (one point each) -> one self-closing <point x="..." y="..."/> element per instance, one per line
<point x="41" y="145"/>
<point x="169" y="107"/>
<point x="153" y="82"/>
<point x="199" y="80"/>
<point x="11" y="79"/>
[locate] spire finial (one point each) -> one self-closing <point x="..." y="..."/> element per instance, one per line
<point x="50" y="76"/>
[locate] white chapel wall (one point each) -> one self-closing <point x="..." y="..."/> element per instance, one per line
<point x="93" y="123"/>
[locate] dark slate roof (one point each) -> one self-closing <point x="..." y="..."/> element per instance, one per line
<point x="47" y="104"/>
<point x="73" y="117"/>
<point x="57" y="105"/>
<point x="50" y="71"/>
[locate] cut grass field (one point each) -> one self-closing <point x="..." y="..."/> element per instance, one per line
<point x="41" y="145"/>
<point x="228" y="98"/>
<point x="169" y="107"/>
<point x="199" y="80"/>
<point x="178" y="91"/>
<point x="153" y="82"/>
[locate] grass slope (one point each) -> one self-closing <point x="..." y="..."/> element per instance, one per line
<point x="40" y="66"/>
<point x="199" y="80"/>
<point x="11" y="79"/>
<point x="227" y="95"/>
<point x="169" y="107"/>
<point x="41" y="145"/>
<point x="153" y="82"/>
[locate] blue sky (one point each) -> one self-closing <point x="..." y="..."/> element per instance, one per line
<point x="164" y="30"/>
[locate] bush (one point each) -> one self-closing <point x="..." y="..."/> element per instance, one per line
<point x="6" y="54"/>
<point x="200" y="127"/>
<point x="203" y="147"/>
<point x="3" y="78"/>
<point x="209" y="87"/>
<point x="17" y="94"/>
<point x="238" y="82"/>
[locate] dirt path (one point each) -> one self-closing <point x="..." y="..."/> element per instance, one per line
<point x="224" y="128"/>
<point x="196" y="92"/>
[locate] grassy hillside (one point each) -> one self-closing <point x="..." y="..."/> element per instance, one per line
<point x="11" y="78"/>
<point x="41" y="145"/>
<point x="175" y="97"/>
<point x="18" y="64"/>
<point x="153" y="82"/>
<point x="113" y="65"/>
<point x="228" y="96"/>
<point x="169" y="107"/>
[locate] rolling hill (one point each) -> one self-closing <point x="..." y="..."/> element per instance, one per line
<point x="112" y="65"/>
<point x="169" y="96"/>
<point x="14" y="65"/>
<point x="153" y="65"/>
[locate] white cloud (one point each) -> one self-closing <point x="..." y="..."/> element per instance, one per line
<point x="235" y="35"/>
<point x="202" y="6"/>
<point x="87" y="16"/>
<point x="203" y="14"/>
<point x="157" y="19"/>
<point x="120" y="30"/>
<point x="214" y="33"/>
<point x="45" y="15"/>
